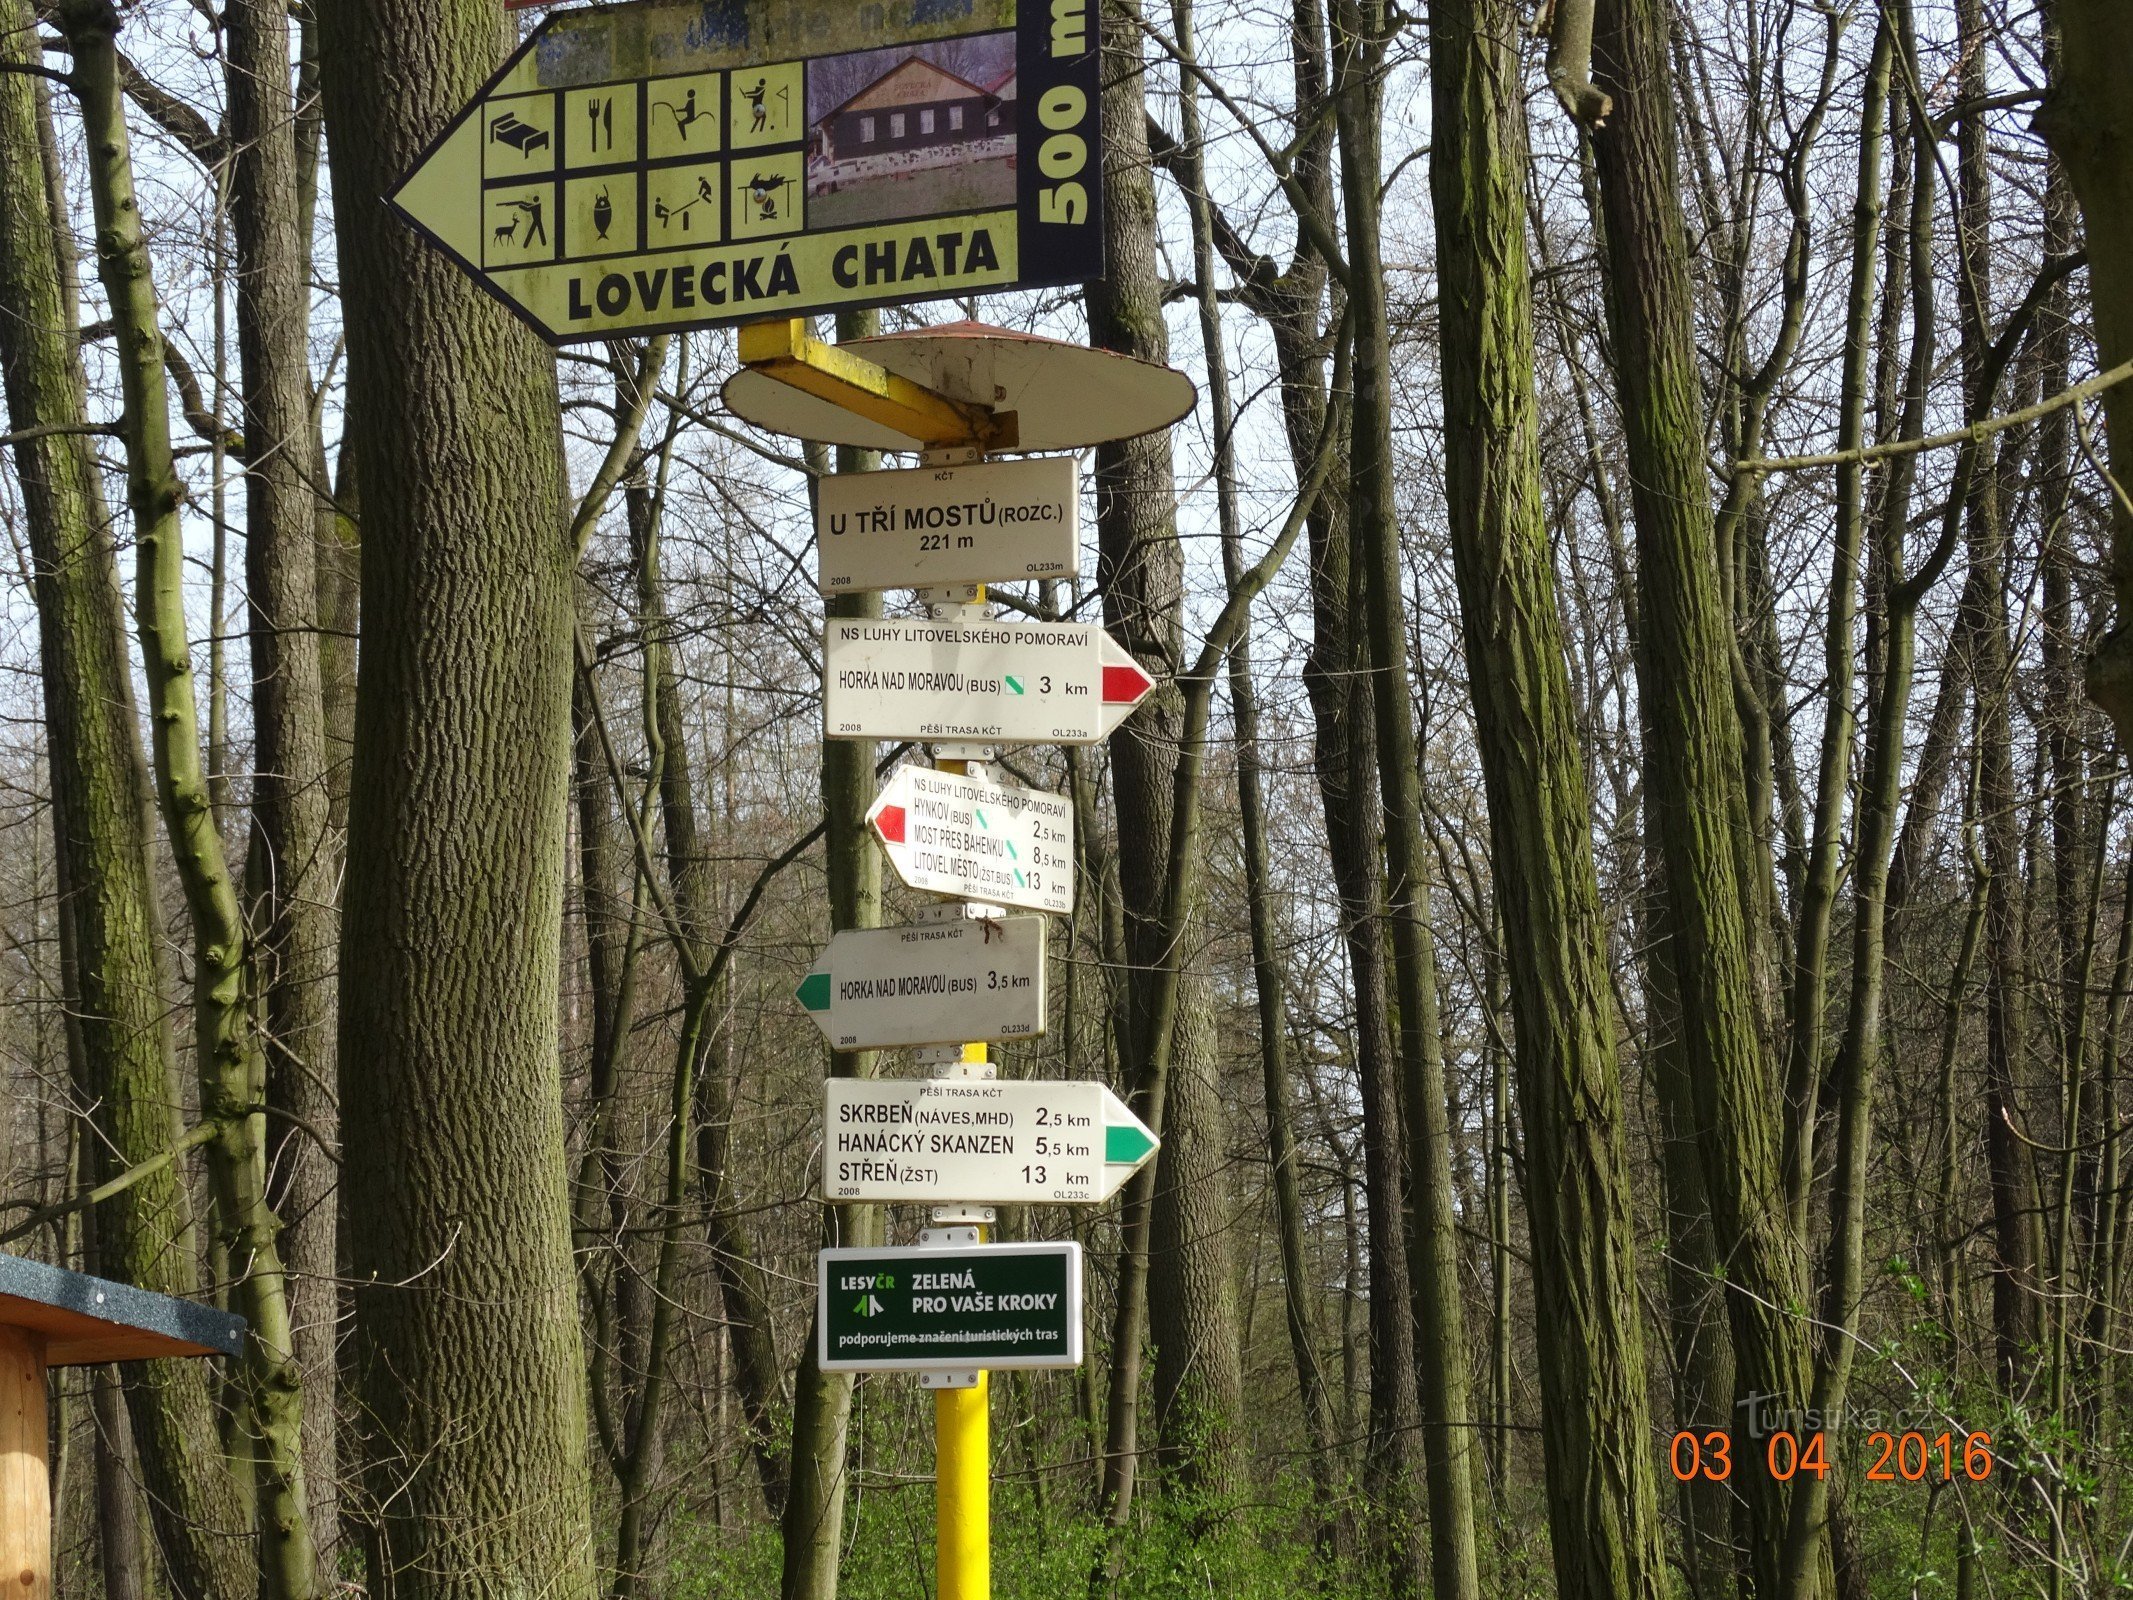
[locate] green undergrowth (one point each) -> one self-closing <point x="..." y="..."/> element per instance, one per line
<point x="1256" y="1548"/>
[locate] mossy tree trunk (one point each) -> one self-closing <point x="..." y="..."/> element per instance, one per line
<point x="101" y="797"/>
<point x="228" y="1050"/>
<point x="1603" y="1498"/>
<point x="1694" y="758"/>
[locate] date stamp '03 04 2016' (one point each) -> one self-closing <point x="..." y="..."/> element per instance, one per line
<point x="1896" y="1458"/>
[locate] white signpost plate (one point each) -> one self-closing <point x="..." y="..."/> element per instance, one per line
<point x="971" y="1141"/>
<point x="992" y="522"/>
<point x="991" y="682"/>
<point x="961" y="982"/>
<point x="997" y="842"/>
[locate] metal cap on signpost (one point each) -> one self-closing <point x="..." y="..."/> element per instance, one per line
<point x="959" y="394"/>
<point x="1059" y="396"/>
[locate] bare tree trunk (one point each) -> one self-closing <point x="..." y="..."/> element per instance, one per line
<point x="1983" y="628"/>
<point x="2088" y="117"/>
<point x="1176" y="1200"/>
<point x="1859" y="1055"/>
<point x="121" y="1553"/>
<point x="1695" y="777"/>
<point x="822" y="1401"/>
<point x="1251" y="804"/>
<point x="1360" y="32"/>
<point x="294" y="867"/>
<point x="472" y="1365"/>
<point x="744" y="1288"/>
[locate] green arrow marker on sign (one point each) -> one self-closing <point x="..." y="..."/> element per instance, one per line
<point x="814" y="991"/>
<point x="1127" y="1144"/>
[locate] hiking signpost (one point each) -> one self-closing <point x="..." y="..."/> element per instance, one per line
<point x="661" y="165"/>
<point x="946" y="982"/>
<point x="948" y="525"/>
<point x="951" y="678"/>
<point x="965" y="972"/>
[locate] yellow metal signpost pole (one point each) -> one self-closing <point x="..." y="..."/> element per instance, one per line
<point x="962" y="1513"/>
<point x="962" y="1401"/>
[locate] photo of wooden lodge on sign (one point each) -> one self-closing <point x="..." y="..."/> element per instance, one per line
<point x="912" y="130"/>
<point x="915" y="106"/>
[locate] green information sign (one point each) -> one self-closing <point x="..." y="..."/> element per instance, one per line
<point x="920" y="1310"/>
<point x="666" y="165"/>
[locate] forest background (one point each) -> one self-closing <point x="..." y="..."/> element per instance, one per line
<point x="1620" y="911"/>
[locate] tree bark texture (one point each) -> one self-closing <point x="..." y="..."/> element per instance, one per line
<point x="1982" y="626"/>
<point x="2088" y="119"/>
<point x="1175" y="1205"/>
<point x="817" y="1480"/>
<point x="1603" y="1498"/>
<point x="1449" y="1438"/>
<point x="470" y="1357"/>
<point x="1694" y="761"/>
<point x="294" y="867"/>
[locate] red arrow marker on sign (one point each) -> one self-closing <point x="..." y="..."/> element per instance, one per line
<point x="1124" y="684"/>
<point x="889" y="823"/>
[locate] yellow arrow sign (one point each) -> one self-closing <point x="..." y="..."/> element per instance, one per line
<point x="659" y="165"/>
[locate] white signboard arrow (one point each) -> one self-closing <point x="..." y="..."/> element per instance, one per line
<point x="995" y="682"/>
<point x="960" y="982"/>
<point x="992" y="522"/>
<point x="948" y="834"/>
<point x="969" y="1141"/>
